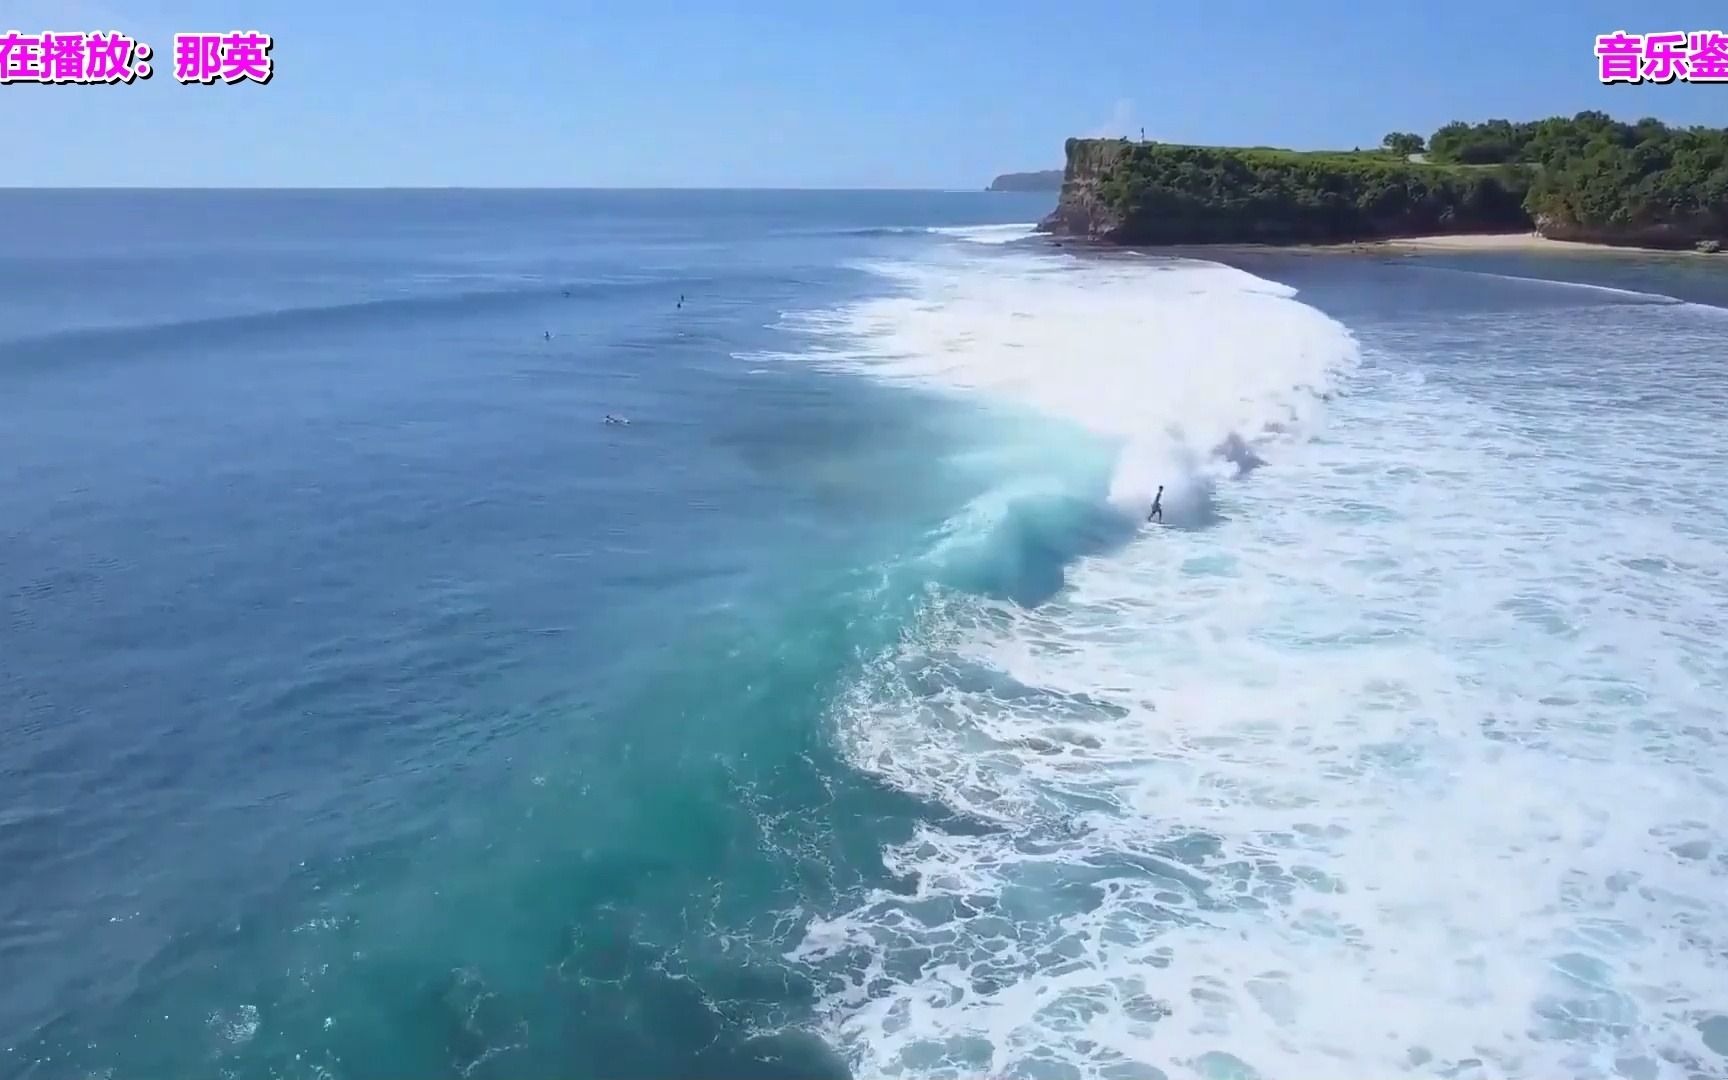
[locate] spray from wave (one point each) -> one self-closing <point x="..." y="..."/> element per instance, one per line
<point x="1189" y="370"/>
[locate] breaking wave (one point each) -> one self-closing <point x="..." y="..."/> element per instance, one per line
<point x="1264" y="796"/>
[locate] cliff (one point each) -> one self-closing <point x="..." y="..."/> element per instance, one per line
<point x="1083" y="209"/>
<point x="1586" y="177"/>
<point x="1047" y="180"/>
<point x="1156" y="193"/>
<point x="1703" y="232"/>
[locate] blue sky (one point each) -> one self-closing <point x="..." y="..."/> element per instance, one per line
<point x="775" y="94"/>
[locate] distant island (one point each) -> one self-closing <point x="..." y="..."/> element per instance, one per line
<point x="1047" y="180"/>
<point x="1585" y="178"/>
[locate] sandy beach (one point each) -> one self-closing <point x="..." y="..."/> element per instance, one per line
<point x="1530" y="242"/>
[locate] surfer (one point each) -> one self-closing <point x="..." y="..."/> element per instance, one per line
<point x="1157" y="506"/>
<point x="610" y="419"/>
<point x="548" y="335"/>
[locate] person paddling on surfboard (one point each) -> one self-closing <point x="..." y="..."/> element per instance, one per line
<point x="1157" y="506"/>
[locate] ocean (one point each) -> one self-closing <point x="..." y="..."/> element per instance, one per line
<point x="371" y="707"/>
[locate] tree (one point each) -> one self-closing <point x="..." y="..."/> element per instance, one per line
<point x="1594" y="171"/>
<point x="1196" y="194"/>
<point x="1403" y="142"/>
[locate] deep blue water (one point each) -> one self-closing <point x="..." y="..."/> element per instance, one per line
<point x="370" y="708"/>
<point x="312" y="545"/>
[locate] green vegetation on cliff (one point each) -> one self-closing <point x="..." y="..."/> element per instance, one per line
<point x="1586" y="177"/>
<point x="1162" y="193"/>
<point x="1594" y="172"/>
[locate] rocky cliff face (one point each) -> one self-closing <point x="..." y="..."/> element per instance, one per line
<point x="1696" y="231"/>
<point x="1081" y="210"/>
<point x="1120" y="192"/>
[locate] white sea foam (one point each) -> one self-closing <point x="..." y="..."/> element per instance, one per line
<point x="1167" y="359"/>
<point x="987" y="234"/>
<point x="1409" y="765"/>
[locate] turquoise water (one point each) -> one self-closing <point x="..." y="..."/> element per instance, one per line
<point x="370" y="708"/>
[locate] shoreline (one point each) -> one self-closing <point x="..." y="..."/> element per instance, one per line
<point x="1519" y="243"/>
<point x="1526" y="243"/>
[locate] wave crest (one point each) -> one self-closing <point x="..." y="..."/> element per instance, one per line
<point x="1190" y="369"/>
